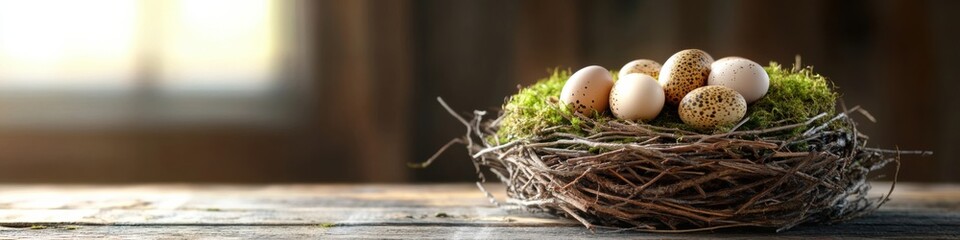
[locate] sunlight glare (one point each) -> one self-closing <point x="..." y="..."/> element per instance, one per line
<point x="67" y="44"/>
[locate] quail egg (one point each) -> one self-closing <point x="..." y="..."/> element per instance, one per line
<point x="588" y="90"/>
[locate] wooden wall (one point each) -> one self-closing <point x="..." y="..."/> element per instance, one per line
<point x="368" y="104"/>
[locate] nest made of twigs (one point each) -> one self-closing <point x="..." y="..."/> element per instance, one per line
<point x="634" y="176"/>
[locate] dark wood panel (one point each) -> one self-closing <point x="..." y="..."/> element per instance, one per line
<point x="370" y="106"/>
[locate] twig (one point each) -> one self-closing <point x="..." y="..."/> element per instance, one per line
<point x="435" y="155"/>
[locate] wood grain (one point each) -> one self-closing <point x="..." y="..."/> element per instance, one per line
<point x="440" y="211"/>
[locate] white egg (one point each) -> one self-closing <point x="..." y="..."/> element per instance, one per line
<point x="588" y="90"/>
<point x="742" y="75"/>
<point x="727" y="58"/>
<point x="645" y="66"/>
<point x="636" y="96"/>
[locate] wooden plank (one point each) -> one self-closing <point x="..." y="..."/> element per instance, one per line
<point x="460" y="232"/>
<point x="376" y="216"/>
<point x="344" y="216"/>
<point x="376" y="211"/>
<point x="239" y="197"/>
<point x="269" y="205"/>
<point x="920" y="197"/>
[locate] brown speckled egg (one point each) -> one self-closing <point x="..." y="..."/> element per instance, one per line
<point x="588" y="90"/>
<point x="683" y="72"/>
<point x="709" y="106"/>
<point x="645" y="66"/>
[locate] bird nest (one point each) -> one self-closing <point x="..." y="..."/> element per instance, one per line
<point x="625" y="175"/>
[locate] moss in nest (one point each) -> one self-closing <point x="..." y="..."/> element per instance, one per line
<point x="537" y="107"/>
<point x="795" y="95"/>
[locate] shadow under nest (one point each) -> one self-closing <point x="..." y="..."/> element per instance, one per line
<point x="640" y="177"/>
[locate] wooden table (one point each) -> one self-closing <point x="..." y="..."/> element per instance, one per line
<point x="380" y="211"/>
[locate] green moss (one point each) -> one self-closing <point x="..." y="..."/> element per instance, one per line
<point x="537" y="107"/>
<point x="795" y="95"/>
<point x="326" y="225"/>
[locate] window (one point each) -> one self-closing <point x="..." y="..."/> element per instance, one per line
<point x="120" y="62"/>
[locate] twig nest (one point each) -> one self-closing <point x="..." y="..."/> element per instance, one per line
<point x="683" y="72"/>
<point x="636" y="96"/>
<point x="710" y="106"/>
<point x="746" y="77"/>
<point x="588" y="90"/>
<point x="784" y="167"/>
<point x="644" y="66"/>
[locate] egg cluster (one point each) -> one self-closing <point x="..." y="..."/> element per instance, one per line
<point x="707" y="93"/>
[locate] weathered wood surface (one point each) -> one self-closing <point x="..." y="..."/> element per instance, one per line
<point x="381" y="211"/>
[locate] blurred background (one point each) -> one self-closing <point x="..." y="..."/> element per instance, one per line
<point x="344" y="90"/>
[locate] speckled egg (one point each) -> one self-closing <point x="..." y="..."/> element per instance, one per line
<point x="636" y="96"/>
<point x="645" y="66"/>
<point x="742" y="75"/>
<point x="588" y="90"/>
<point x="710" y="106"/>
<point x="683" y="72"/>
